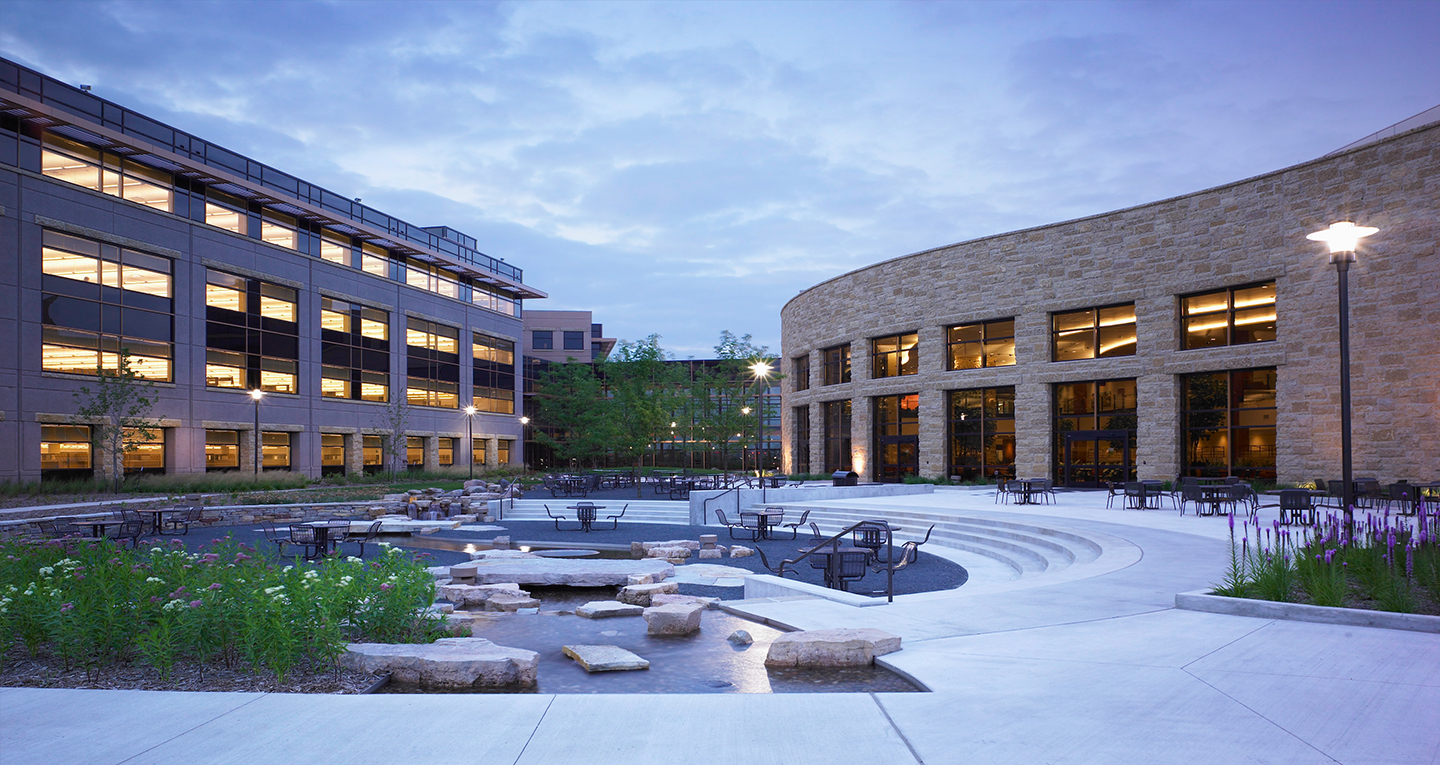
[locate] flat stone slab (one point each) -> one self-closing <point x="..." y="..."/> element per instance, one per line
<point x="673" y="619"/>
<point x="447" y="663"/>
<point x="574" y="572"/>
<point x="830" y="648"/>
<point x="709" y="573"/>
<point x="500" y="555"/>
<point x="604" y="658"/>
<point x="406" y="526"/>
<point x="512" y="602"/>
<point x="604" y="609"/>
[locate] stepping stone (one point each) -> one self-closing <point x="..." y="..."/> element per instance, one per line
<point x="604" y="609"/>
<point x="512" y="603"/>
<point x="673" y="619"/>
<point x="640" y="594"/>
<point x="830" y="648"/>
<point x="740" y="637"/>
<point x="604" y="658"/>
<point x="463" y="594"/>
<point x="689" y="600"/>
<point x="446" y="663"/>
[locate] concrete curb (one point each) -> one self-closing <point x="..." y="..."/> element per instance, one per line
<point x="1202" y="600"/>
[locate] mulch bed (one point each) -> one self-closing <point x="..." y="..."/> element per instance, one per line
<point x="44" y="671"/>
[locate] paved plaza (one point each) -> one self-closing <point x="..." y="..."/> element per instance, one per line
<point x="1089" y="663"/>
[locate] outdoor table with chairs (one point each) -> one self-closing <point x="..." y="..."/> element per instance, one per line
<point x="585" y="514"/>
<point x="839" y="565"/>
<point x="1026" y="491"/>
<point x="324" y="536"/>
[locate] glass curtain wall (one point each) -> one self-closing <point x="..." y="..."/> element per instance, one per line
<point x="897" y="437"/>
<point x="1094" y="421"/>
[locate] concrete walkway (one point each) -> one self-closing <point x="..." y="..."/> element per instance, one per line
<point x="1074" y="668"/>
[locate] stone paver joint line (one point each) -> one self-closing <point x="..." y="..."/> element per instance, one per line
<point x="1264" y="717"/>
<point x="881" y="705"/>
<point x="531" y="737"/>
<point x="192" y="729"/>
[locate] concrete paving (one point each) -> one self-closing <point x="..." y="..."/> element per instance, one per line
<point x="1092" y="665"/>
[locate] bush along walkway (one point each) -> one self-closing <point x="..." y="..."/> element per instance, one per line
<point x="96" y="607"/>
<point x="1391" y="563"/>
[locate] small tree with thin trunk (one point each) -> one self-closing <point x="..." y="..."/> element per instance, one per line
<point x="392" y="421"/>
<point x="117" y="412"/>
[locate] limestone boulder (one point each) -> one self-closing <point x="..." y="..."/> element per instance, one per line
<point x="688" y="544"/>
<point x="673" y="619"/>
<point x="830" y="648"/>
<point x="668" y="553"/>
<point x="604" y="609"/>
<point x="446" y="663"/>
<point x="740" y="637"/>
<point x="640" y="594"/>
<point x="604" y="658"/>
<point x="569" y="572"/>
<point x="470" y="594"/>
<point x="740" y="551"/>
<point x="712" y="554"/>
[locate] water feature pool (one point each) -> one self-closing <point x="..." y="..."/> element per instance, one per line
<point x="704" y="662"/>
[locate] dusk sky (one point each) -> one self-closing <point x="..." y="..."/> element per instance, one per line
<point x="684" y="168"/>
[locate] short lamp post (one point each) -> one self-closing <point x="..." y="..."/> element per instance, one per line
<point x="256" y="395"/>
<point x="1342" y="239"/>
<point x="470" y="436"/>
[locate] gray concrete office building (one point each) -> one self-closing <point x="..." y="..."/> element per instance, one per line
<point x="218" y="276"/>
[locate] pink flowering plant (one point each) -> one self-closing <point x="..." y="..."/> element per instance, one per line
<point x="94" y="606"/>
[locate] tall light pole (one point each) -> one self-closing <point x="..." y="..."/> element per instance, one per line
<point x="1342" y="238"/>
<point x="761" y="370"/>
<point x="256" y="395"/>
<point x="470" y="436"/>
<point x="745" y="410"/>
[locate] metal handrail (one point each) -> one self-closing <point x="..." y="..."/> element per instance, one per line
<point x="705" y="506"/>
<point x="834" y="543"/>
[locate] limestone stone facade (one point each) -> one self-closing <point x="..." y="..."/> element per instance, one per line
<point x="1246" y="232"/>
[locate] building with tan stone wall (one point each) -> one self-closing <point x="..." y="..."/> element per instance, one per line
<point x="1196" y="335"/>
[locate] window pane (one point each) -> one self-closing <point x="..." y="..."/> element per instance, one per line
<point x="331" y="320"/>
<point x="226" y="218"/>
<point x="1117" y="340"/>
<point x="70" y="169"/>
<point x="1065" y="322"/>
<point x="1206" y="331"/>
<point x="148" y="282"/>
<point x="69" y="265"/>
<point x="1000" y="353"/>
<point x="1207" y="303"/>
<point x="224" y="297"/>
<point x="1254" y="325"/>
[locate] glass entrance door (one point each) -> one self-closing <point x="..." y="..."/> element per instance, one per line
<point x="897" y="437"/>
<point x="1092" y="457"/>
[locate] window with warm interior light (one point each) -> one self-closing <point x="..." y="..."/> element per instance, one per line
<point x="800" y="372"/>
<point x="446" y="451"/>
<point x="275" y="451"/>
<point x="1229" y="423"/>
<point x="354" y="351"/>
<point x="836" y="435"/>
<point x="65" y="451"/>
<point x="1232" y="316"/>
<point x="1093" y="333"/>
<point x="372" y="450"/>
<point x="251" y="334"/>
<point x="432" y="364"/>
<point x="982" y="433"/>
<point x="106" y="172"/>
<point x="836" y="367"/>
<point x="493" y="374"/>
<point x="147" y="452"/>
<point x="981" y="345"/>
<point x="800" y="439"/>
<point x="222" y="450"/>
<point x="99" y="300"/>
<point x="894" y="356"/>
<point x="332" y="454"/>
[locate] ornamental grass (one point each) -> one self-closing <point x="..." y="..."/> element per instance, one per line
<point x="1391" y="563"/>
<point x="93" y="606"/>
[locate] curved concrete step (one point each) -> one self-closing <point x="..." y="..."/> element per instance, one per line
<point x="1026" y="550"/>
<point x="636" y="511"/>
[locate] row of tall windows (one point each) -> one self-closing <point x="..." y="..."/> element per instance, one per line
<point x="100" y="300"/>
<point x="110" y="173"/>
<point x="493" y="374"/>
<point x="432" y="364"/>
<point x="1230" y="316"/>
<point x="354" y="351"/>
<point x="1228" y="429"/>
<point x="252" y="334"/>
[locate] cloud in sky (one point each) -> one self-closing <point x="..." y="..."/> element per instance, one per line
<point x="684" y="168"/>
